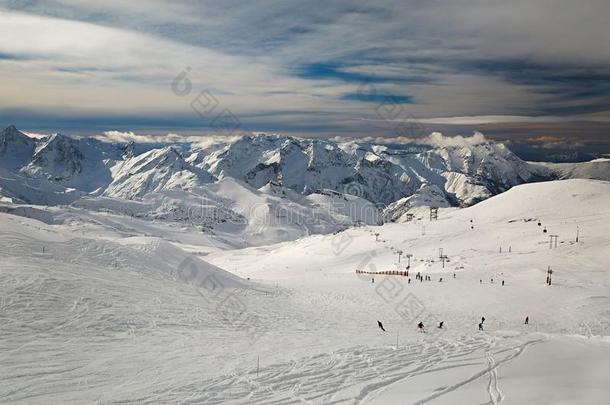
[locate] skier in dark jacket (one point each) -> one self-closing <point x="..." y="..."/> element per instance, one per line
<point x="481" y="326"/>
<point x="420" y="326"/>
<point x="440" y="325"/>
<point x="527" y="320"/>
<point x="380" y="325"/>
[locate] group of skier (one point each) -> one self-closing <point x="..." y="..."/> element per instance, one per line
<point x="422" y="277"/>
<point x="491" y="281"/>
<point x="421" y="327"/>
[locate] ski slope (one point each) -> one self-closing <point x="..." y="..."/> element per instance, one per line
<point x="95" y="314"/>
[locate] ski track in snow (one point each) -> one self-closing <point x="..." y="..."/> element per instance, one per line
<point x="495" y="394"/>
<point x="349" y="376"/>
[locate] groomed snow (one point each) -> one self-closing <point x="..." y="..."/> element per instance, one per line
<point x="108" y="309"/>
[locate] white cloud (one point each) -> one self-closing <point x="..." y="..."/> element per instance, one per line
<point x="86" y="67"/>
<point x="435" y="139"/>
<point x="439" y="140"/>
<point x="200" y="140"/>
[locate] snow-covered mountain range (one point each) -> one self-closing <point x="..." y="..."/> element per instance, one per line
<point x="467" y="173"/>
<point x="304" y="175"/>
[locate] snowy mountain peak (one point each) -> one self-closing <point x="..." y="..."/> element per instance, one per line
<point x="128" y="150"/>
<point x="16" y="148"/>
<point x="58" y="159"/>
<point x="153" y="171"/>
<point x="11" y="132"/>
<point x="164" y="157"/>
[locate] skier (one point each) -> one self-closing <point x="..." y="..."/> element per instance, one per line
<point x="380" y="325"/>
<point x="481" y="326"/>
<point x="492" y="280"/>
<point x="373" y="280"/>
<point x="440" y="280"/>
<point x="420" y="326"/>
<point x="409" y="281"/>
<point x="482" y="320"/>
<point x="527" y="320"/>
<point x="453" y="275"/>
<point x="440" y="325"/>
<point x="502" y="283"/>
<point x="481" y="281"/>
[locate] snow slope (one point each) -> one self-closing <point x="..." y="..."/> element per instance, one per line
<point x="106" y="316"/>
<point x="417" y="204"/>
<point x="227" y="213"/>
<point x="596" y="169"/>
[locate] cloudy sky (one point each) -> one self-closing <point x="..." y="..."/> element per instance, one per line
<point x="322" y="68"/>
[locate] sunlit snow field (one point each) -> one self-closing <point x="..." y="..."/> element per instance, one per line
<point x="111" y="309"/>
